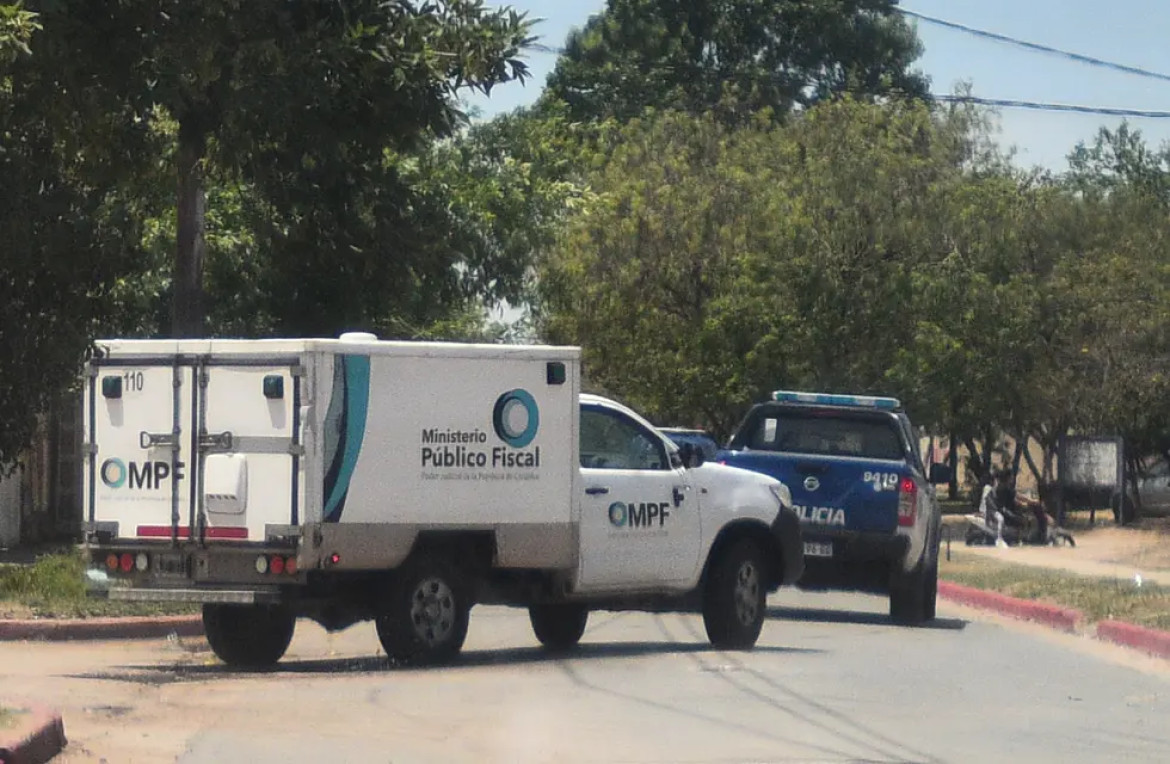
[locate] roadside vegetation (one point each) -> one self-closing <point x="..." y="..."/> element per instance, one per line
<point x="54" y="587"/>
<point x="1098" y="598"/>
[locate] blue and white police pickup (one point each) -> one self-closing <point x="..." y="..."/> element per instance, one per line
<point x="868" y="511"/>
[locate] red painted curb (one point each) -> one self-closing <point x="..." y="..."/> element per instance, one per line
<point x="38" y="737"/>
<point x="1151" y="641"/>
<point x="1065" y="619"/>
<point x="101" y="628"/>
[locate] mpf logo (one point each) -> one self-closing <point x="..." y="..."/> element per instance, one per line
<point x="516" y="418"/>
<point x="642" y="515"/>
<point x="149" y="475"/>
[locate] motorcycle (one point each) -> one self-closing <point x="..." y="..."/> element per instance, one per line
<point x="995" y="527"/>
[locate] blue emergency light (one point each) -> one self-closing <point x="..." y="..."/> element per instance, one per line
<point x="829" y="399"/>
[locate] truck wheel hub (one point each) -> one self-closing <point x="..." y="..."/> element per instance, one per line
<point x="747" y="593"/>
<point x="432" y="610"/>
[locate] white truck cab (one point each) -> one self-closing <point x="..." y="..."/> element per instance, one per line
<point x="355" y="479"/>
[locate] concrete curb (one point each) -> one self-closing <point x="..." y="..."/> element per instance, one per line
<point x="38" y="736"/>
<point x="1063" y="619"/>
<point x="101" y="628"/>
<point x="1152" y="641"/>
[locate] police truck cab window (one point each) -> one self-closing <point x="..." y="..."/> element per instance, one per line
<point x="853" y="435"/>
<point x="615" y="443"/>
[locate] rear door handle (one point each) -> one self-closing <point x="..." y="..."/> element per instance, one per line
<point x="596" y="490"/>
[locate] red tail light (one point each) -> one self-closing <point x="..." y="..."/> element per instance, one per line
<point x="290" y="566"/>
<point x="276" y="565"/>
<point x="127" y="562"/>
<point x="907" y="502"/>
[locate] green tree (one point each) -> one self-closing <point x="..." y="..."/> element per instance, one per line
<point x="717" y="263"/>
<point x="739" y="56"/>
<point x="297" y="101"/>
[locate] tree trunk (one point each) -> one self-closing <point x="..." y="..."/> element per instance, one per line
<point x="188" y="311"/>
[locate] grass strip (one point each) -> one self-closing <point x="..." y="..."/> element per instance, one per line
<point x="1098" y="598"/>
<point x="54" y="587"/>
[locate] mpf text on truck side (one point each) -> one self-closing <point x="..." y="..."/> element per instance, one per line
<point x="355" y="479"/>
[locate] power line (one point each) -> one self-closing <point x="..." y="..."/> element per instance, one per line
<point x="1038" y="106"/>
<point x="1079" y="57"/>
<point x="1005" y="103"/>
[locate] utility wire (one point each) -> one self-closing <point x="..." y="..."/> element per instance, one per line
<point x="1079" y="57"/>
<point x="1005" y="103"/>
<point x="1036" y="106"/>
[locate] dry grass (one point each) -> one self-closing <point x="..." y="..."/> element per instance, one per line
<point x="1098" y="598"/>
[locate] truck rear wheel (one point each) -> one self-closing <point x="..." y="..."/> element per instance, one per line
<point x="558" y="627"/>
<point x="734" y="597"/>
<point x="913" y="595"/>
<point x="248" y="636"/>
<point x="425" y="617"/>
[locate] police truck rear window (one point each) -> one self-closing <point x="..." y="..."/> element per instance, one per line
<point x="827" y="435"/>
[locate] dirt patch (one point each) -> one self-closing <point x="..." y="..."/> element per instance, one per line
<point x="1105" y="550"/>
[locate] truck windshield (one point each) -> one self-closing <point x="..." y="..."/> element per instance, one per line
<point x="826" y="434"/>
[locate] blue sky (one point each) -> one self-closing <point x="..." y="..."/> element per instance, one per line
<point x="1132" y="32"/>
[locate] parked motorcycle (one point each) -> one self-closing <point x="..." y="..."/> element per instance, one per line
<point x="996" y="525"/>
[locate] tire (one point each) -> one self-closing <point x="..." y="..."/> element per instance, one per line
<point x="734" y="597"/>
<point x="930" y="596"/>
<point x="424" y="618"/>
<point x="558" y="627"/>
<point x="248" y="636"/>
<point x="913" y="595"/>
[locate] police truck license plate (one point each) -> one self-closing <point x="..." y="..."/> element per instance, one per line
<point x="818" y="549"/>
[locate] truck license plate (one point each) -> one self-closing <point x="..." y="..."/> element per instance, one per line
<point x="171" y="564"/>
<point x="818" y="549"/>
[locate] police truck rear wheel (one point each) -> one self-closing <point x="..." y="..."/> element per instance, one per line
<point x="248" y="636"/>
<point x="908" y="596"/>
<point x="734" y="597"/>
<point x="558" y="627"/>
<point x="424" y="619"/>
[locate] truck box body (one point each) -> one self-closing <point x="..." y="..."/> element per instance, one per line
<point x="403" y="482"/>
<point x="367" y="442"/>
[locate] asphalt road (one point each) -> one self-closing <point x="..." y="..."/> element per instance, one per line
<point x="832" y="680"/>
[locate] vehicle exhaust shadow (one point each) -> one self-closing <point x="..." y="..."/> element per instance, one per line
<point x="818" y="615"/>
<point x="518" y="656"/>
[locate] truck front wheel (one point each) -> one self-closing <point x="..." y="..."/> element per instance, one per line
<point x="248" y="636"/>
<point x="558" y="627"/>
<point x="734" y="597"/>
<point x="426" y="614"/>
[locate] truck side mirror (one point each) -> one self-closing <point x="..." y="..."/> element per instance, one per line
<point x="940" y="473"/>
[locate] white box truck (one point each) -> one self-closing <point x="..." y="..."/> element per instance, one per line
<point x="355" y="479"/>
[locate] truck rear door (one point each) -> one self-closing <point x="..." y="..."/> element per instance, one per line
<point x="188" y="447"/>
<point x="843" y="467"/>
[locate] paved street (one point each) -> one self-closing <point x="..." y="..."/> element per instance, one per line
<point x="832" y="680"/>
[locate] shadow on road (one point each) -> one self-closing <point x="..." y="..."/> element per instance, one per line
<point x="818" y="615"/>
<point x="519" y="656"/>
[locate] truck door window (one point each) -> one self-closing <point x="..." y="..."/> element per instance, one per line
<point x="611" y="441"/>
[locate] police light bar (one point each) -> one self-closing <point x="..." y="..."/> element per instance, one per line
<point x="829" y="399"/>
